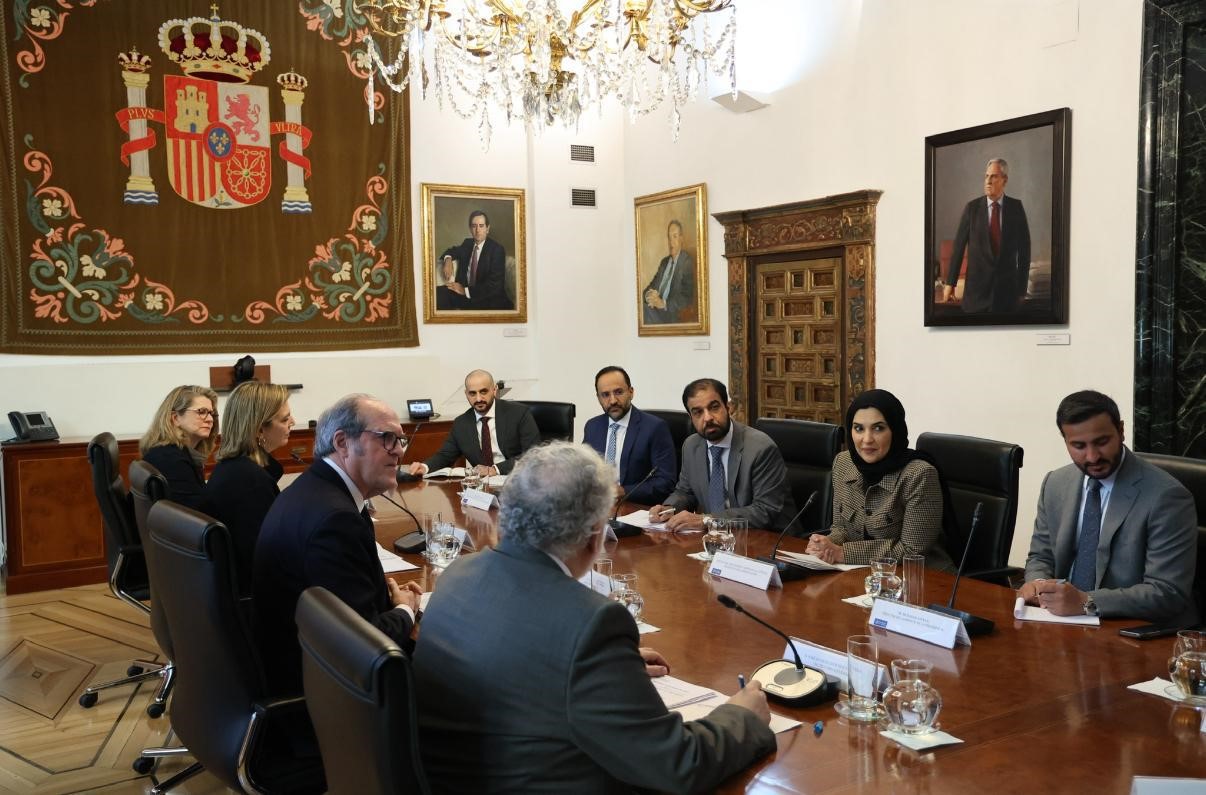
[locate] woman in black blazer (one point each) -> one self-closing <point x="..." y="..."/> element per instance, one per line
<point x="243" y="484"/>
<point x="180" y="439"/>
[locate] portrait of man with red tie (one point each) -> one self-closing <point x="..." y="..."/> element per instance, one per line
<point x="994" y="234"/>
<point x="474" y="272"/>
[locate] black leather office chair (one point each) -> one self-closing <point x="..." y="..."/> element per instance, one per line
<point x="554" y="420"/>
<point x="680" y="430"/>
<point x="148" y="486"/>
<point x="1192" y="474"/>
<point x="221" y="709"/>
<point x="360" y="694"/>
<point x="808" y="449"/>
<point x="980" y="470"/>
<point x="127" y="566"/>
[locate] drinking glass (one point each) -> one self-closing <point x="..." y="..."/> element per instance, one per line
<point x="600" y="579"/>
<point x="623" y="582"/>
<point x="740" y="528"/>
<point x="427" y="523"/>
<point x="633" y="601"/>
<point x="911" y="702"/>
<point x="446" y="550"/>
<point x="914" y="579"/>
<point x="1189" y="675"/>
<point x="472" y="480"/>
<point x="879" y="568"/>
<point x="717" y="537"/>
<point x="862" y="669"/>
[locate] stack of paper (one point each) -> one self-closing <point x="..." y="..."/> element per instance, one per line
<point x="694" y="702"/>
<point x="447" y="472"/>
<point x="391" y="563"/>
<point x="642" y="520"/>
<point x="1025" y="612"/>
<point x="807" y="561"/>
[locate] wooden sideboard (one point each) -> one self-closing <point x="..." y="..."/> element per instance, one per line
<point x="53" y="525"/>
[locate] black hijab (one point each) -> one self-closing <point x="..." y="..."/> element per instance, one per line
<point x="899" y="453"/>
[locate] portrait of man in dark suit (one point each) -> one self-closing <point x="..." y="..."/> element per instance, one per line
<point x="996" y="237"/>
<point x="474" y="272"/>
<point x="670" y="296"/>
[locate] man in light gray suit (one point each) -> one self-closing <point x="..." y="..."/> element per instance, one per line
<point x="729" y="469"/>
<point x="530" y="682"/>
<point x="1118" y="533"/>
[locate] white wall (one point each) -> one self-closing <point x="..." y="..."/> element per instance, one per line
<point x="856" y="89"/>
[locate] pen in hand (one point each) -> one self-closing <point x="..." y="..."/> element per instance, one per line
<point x="741" y="681"/>
<point x="662" y="514"/>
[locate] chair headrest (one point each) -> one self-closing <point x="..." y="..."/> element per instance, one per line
<point x="802" y="442"/>
<point x="981" y="463"/>
<point x="344" y="644"/>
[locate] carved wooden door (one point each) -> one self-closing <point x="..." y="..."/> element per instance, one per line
<point x="797" y="340"/>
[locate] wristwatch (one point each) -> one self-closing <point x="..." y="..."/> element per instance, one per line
<point x="1090" y="607"/>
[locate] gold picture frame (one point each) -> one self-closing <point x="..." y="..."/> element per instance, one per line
<point x="495" y="289"/>
<point x="683" y="310"/>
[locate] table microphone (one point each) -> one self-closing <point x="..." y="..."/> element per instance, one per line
<point x="791" y="683"/>
<point x="975" y="624"/>
<point x="623" y="529"/>
<point x="786" y="570"/>
<point x="414" y="541"/>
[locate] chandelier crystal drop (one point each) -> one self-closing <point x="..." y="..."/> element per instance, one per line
<point x="545" y="61"/>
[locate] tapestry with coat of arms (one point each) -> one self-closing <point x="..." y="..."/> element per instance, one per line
<point x="181" y="177"/>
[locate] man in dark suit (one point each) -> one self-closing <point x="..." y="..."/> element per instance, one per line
<point x="994" y="232"/>
<point x="318" y="532"/>
<point x="475" y="271"/>
<point x="729" y="470"/>
<point x="1119" y="533"/>
<point x="527" y="681"/>
<point x="634" y="442"/>
<point x="670" y="296"/>
<point x="490" y="436"/>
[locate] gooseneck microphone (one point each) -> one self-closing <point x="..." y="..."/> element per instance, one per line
<point x="406" y="477"/>
<point x="786" y="570"/>
<point x="975" y="624"/>
<point x="622" y="529"/>
<point x="791" y="683"/>
<point x="414" y="541"/>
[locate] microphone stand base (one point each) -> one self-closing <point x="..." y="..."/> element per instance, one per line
<point x="974" y="624"/>
<point x="411" y="542"/>
<point x="787" y="572"/>
<point x="623" y="529"/>
<point x="806" y="687"/>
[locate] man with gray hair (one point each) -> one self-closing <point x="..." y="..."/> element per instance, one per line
<point x="527" y="681"/>
<point x="994" y="233"/>
<point x="318" y="532"/>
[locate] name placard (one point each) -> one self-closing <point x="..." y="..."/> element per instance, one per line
<point x="830" y="662"/>
<point x="463" y="536"/>
<point x="476" y="498"/>
<point x="754" y="573"/>
<point x="917" y="622"/>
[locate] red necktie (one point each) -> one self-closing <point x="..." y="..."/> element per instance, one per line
<point x="994" y="228"/>
<point x="473" y="263"/>
<point x="487" y="445"/>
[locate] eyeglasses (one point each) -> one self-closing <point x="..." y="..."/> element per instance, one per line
<point x="389" y="439"/>
<point x="202" y="413"/>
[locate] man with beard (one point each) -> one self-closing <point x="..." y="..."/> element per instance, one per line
<point x="1118" y="533"/>
<point x="729" y="470"/>
<point x="491" y="435"/>
<point x="633" y="442"/>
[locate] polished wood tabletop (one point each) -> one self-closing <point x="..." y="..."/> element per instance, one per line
<point x="1038" y="706"/>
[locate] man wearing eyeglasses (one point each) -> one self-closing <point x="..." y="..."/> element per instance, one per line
<point x="318" y="532"/>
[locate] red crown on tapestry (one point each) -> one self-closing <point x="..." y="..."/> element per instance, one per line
<point x="214" y="48"/>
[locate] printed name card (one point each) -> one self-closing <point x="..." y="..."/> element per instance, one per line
<point x="463" y="536"/>
<point x="476" y="498"/>
<point x="917" y="622"/>
<point x="754" y="573"/>
<point x="830" y="662"/>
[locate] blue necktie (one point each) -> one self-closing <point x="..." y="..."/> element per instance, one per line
<point x="612" y="432"/>
<point x="716" y="482"/>
<point x="1084" y="573"/>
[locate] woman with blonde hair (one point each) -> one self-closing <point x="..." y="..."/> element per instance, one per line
<point x="180" y="439"/>
<point x="243" y="485"/>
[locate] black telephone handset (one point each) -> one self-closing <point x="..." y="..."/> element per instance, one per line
<point x="33" y="426"/>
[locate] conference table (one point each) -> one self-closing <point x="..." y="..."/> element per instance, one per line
<point x="1037" y="706"/>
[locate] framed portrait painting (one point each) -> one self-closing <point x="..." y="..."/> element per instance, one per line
<point x="474" y="255"/>
<point x="672" y="262"/>
<point x="996" y="234"/>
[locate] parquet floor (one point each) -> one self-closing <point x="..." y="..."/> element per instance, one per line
<point x="53" y="644"/>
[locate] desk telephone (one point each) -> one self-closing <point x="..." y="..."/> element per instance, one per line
<point x="32" y="426"/>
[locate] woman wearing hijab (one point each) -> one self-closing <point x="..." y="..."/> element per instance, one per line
<point x="887" y="498"/>
<point x="243" y="485"/>
<point x="180" y="438"/>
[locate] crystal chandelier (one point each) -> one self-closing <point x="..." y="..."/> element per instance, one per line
<point x="545" y="61"/>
